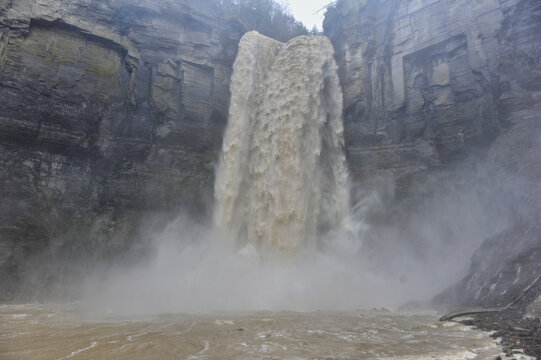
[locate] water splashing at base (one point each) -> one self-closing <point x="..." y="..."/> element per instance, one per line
<point x="283" y="236"/>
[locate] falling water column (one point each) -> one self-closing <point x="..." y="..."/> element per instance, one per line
<point x="282" y="177"/>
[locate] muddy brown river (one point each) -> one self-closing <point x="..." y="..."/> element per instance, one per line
<point x="46" y="332"/>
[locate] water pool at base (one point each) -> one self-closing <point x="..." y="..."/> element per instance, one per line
<point x="44" y="332"/>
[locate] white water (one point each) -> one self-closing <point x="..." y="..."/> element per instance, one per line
<point x="282" y="177"/>
<point x="282" y="201"/>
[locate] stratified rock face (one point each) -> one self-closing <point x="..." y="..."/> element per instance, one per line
<point x="425" y="81"/>
<point x="426" y="84"/>
<point x="509" y="262"/>
<point x="109" y="110"/>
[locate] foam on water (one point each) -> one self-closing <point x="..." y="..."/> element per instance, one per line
<point x="248" y="335"/>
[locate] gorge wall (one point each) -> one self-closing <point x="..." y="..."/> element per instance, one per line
<point x="433" y="86"/>
<point x="110" y="111"/>
<point x="426" y="81"/>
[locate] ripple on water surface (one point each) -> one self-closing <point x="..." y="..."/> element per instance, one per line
<point x="64" y="332"/>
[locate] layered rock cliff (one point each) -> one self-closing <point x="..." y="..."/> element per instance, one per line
<point x="110" y="111"/>
<point x="433" y="85"/>
<point x="113" y="111"/>
<point x="426" y="81"/>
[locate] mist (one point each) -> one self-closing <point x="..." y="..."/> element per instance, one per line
<point x="194" y="269"/>
<point x="427" y="238"/>
<point x="389" y="253"/>
<point x="292" y="230"/>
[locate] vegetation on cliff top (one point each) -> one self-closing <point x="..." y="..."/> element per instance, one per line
<point x="268" y="17"/>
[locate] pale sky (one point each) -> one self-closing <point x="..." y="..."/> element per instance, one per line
<point x="304" y="10"/>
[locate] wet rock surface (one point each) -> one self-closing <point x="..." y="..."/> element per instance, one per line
<point x="428" y="82"/>
<point x="518" y="335"/>
<point x="430" y="86"/>
<point x="110" y="111"/>
<point x="508" y="263"/>
<point x="114" y="110"/>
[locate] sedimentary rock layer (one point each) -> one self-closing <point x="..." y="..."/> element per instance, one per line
<point x="427" y="81"/>
<point x="435" y="85"/>
<point x="110" y="110"/>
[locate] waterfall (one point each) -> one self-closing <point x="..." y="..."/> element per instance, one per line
<point x="281" y="181"/>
